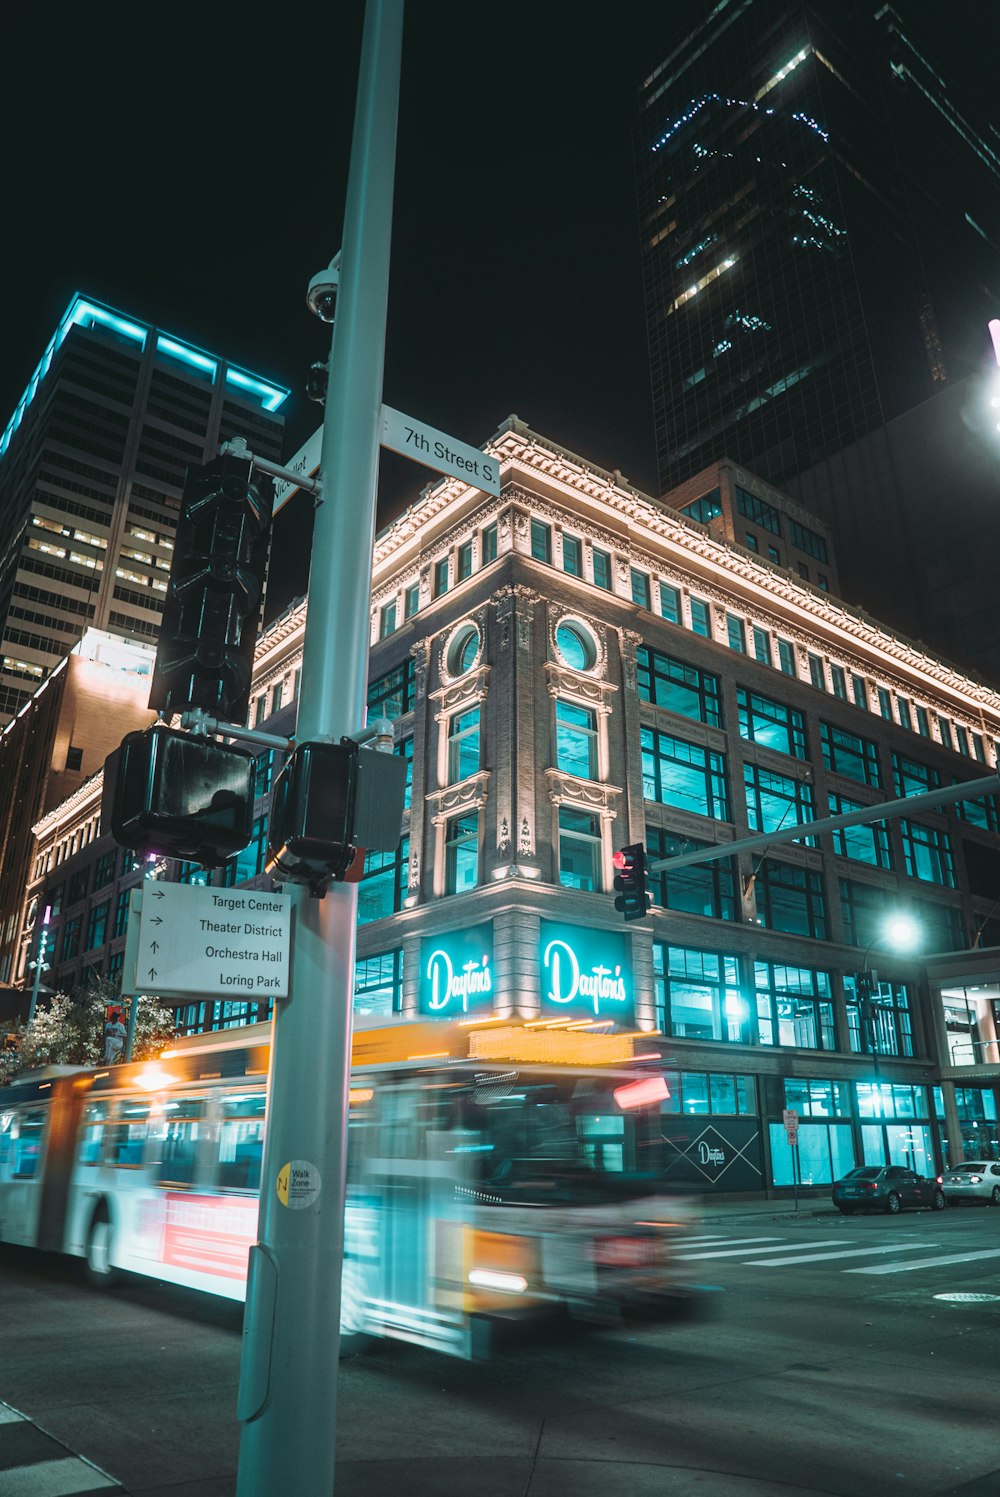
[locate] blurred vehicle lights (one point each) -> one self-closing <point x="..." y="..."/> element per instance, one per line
<point x="641" y="1093"/>
<point x="491" y="1278"/>
<point x="153" y="1079"/>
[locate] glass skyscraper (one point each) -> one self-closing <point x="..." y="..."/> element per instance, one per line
<point x="820" y="230"/>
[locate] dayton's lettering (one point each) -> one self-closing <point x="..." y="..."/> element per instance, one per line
<point x="446" y="983"/>
<point x="709" y="1155"/>
<point x="568" y="982"/>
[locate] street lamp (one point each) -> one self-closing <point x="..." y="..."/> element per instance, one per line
<point x="39" y="965"/>
<point x="900" y="933"/>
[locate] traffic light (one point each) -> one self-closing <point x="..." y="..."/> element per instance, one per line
<point x="204" y="657"/>
<point x="630" y="881"/>
<point x="179" y="796"/>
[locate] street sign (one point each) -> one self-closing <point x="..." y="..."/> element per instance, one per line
<point x="305" y="463"/>
<point x="791" y="1122"/>
<point x="437" y="450"/>
<point x="229" y="942"/>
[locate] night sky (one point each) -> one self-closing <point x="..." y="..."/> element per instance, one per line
<point x="188" y="165"/>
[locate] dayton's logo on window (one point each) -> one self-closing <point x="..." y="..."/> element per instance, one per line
<point x="601" y="986"/>
<point x="473" y="979"/>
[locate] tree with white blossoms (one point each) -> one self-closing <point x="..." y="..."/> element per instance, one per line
<point x="69" y="1031"/>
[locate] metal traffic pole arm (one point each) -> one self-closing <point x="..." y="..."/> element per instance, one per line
<point x="883" y="811"/>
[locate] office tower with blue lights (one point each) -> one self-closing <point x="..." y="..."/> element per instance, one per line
<point x="820" y="234"/>
<point x="91" y="466"/>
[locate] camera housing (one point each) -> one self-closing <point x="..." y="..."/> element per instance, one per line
<point x="321" y="293"/>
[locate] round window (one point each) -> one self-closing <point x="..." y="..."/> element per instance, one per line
<point x="463" y="650"/>
<point x="576" y="646"/>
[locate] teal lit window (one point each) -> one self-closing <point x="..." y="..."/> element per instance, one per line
<point x="776" y="801"/>
<point x="387" y="620"/>
<point x="263" y="772"/>
<point x="97" y="925"/>
<point x="927" y="852"/>
<point x="382" y="886"/>
<point x="736" y="634"/>
<point x="696" y="889"/>
<point x="248" y="863"/>
<point x="859" y="690"/>
<point x="791" y="899"/>
<point x="913" y="778"/>
<point x="701" y="618"/>
<point x="378" y="984"/>
<point x="579" y="849"/>
<point x="771" y="723"/>
<point x="794" y="1007"/>
<point x="411" y="600"/>
<point x="849" y="754"/>
<point x="461" y="854"/>
<point x="121" y="913"/>
<point x="698" y="994"/>
<point x="572" y="555"/>
<point x="817" y="675"/>
<point x="839" y="682"/>
<point x="884" y="703"/>
<point x="541" y="541"/>
<point x="576" y="740"/>
<point x="440" y="577"/>
<point x="773" y="554"/>
<point x="761" y="646"/>
<point x="905" y="719"/>
<point x="669" y="683"/>
<point x="489" y="544"/>
<point x="682" y="774"/>
<point x="923" y="723"/>
<point x="463" y="745"/>
<point x="391" y="695"/>
<point x="888" y="1029"/>
<point x="640" y="588"/>
<point x="818" y="1099"/>
<point x="865" y="843"/>
<point x="276" y="692"/>
<point x="786" y="657"/>
<point x="602" y="569"/>
<point x="981" y="813"/>
<point x="575" y="646"/>
<point x="962" y="739"/>
<point x="463" y="562"/>
<point x="704" y="509"/>
<point x="404" y="748"/>
<point x="670" y="603"/>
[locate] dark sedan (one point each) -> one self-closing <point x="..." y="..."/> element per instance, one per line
<point x="889" y="1188"/>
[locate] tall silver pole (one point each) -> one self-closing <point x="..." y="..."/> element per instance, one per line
<point x="288" y="1375"/>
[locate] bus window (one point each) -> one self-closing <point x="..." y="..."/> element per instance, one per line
<point x="602" y="1139"/>
<point x="127" y="1135"/>
<point x="6" y="1144"/>
<point x="28" y="1147"/>
<point x="178" y="1143"/>
<point x="241" y="1142"/>
<point x="92" y="1131"/>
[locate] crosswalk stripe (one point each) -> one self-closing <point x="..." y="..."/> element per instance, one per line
<point x="735" y="1252"/>
<point x="913" y="1247"/>
<point x="698" y="1241"/>
<point x="751" y="1242"/>
<point x="61" y="1478"/>
<point x="928" y="1262"/>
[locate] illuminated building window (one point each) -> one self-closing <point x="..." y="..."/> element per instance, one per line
<point x="927" y="852"/>
<point x="697" y="1093"/>
<point x="682" y="774"/>
<point x="378" y="984"/>
<point x="579" y="849"/>
<point x="463" y="651"/>
<point x="776" y="801"/>
<point x="698" y="889"/>
<point x="461" y="853"/>
<point x="762" y="646"/>
<point x="791" y="899"/>
<point x="463" y="745"/>
<point x="786" y="657"/>
<point x="463" y="562"/>
<point x="678" y="687"/>
<point x="903" y="708"/>
<point x="884" y="703"/>
<point x="771" y="723"/>
<point x="736" y="634"/>
<point x="440" y="577"/>
<point x="704" y="509"/>
<point x="698" y="994"/>
<point x="572" y="556"/>
<point x="576" y="646"/>
<point x="848" y="754"/>
<point x="817" y="674"/>
<point x="867" y="843"/>
<point x="391" y="695"/>
<point x="706" y="280"/>
<point x="576" y="740"/>
<point x="541" y="541"/>
<point x="489" y="544"/>
<point x="97" y="924"/>
<point x="640" y="588"/>
<point x="602" y="569"/>
<point x="859" y="689"/>
<point x="387" y="620"/>
<point x="383" y="884"/>
<point x="794" y="1007"/>
<point x="670" y="603"/>
<point x="411" y="600"/>
<point x="839" y="682"/>
<point x="404" y="748"/>
<point x="912" y="778"/>
<point x="701" y="618"/>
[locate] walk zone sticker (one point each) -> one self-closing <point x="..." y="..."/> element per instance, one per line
<point x="298" y="1185"/>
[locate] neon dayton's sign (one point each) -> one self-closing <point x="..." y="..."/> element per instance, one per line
<point x="473" y="980"/>
<point x="586" y="970"/>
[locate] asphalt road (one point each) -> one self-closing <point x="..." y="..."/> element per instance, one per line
<point x="825" y="1362"/>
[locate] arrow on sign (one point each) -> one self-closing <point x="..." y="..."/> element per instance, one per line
<point x="159" y="894"/>
<point x="154" y="947"/>
<point x="152" y="971"/>
<point x="156" y="919"/>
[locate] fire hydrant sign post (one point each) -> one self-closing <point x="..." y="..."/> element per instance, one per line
<point x="229" y="942"/>
<point x="790" y="1118"/>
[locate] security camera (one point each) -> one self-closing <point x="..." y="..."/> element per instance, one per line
<point x="321" y="295"/>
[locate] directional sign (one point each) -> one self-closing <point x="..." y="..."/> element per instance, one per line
<point x="305" y="463"/>
<point x="435" y="449"/>
<point x="231" y="942"/>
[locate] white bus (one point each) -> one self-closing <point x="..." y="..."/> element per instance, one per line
<point x="495" y="1172"/>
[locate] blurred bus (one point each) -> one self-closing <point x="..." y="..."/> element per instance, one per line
<point x="496" y="1172"/>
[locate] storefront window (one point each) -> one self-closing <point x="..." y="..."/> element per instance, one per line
<point x="378" y="984"/>
<point x="818" y="1098"/>
<point x="698" y="1092"/>
<point x="825" y="1153"/>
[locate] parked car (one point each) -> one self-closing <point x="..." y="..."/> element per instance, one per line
<point x="975" y="1180"/>
<point x="887" y="1187"/>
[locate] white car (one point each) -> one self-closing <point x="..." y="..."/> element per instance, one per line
<point x="976" y="1180"/>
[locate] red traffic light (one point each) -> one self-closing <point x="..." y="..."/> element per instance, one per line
<point x="624" y="859"/>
